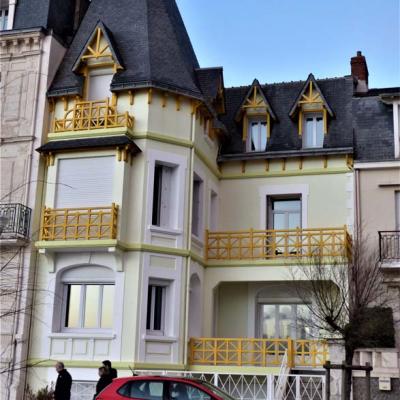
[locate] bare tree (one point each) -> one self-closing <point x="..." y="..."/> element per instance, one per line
<point x="339" y="293"/>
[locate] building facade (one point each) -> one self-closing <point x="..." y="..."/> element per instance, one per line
<point x="32" y="45"/>
<point x="173" y="209"/>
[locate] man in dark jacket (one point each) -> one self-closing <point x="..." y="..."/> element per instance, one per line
<point x="112" y="371"/>
<point x="63" y="383"/>
<point x="104" y="380"/>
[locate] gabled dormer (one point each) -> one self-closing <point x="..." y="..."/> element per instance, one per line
<point x="255" y="113"/>
<point x="311" y="110"/>
<point x="98" y="61"/>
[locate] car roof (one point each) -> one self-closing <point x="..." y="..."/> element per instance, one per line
<point x="158" y="377"/>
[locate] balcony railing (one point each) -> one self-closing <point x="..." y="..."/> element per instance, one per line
<point x="271" y="244"/>
<point x="389" y="245"/>
<point x="15" y="220"/>
<point x="79" y="223"/>
<point x="88" y="115"/>
<point x="257" y="352"/>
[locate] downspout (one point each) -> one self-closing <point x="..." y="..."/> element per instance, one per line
<point x="189" y="240"/>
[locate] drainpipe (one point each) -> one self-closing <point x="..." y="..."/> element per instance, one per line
<point x="189" y="239"/>
<point x="11" y="13"/>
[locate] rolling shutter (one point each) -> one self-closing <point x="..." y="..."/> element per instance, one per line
<point x="85" y="182"/>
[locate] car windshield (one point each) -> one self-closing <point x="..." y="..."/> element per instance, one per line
<point x="217" y="391"/>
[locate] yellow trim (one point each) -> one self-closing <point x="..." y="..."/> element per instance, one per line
<point x="303" y="172"/>
<point x="163" y="139"/>
<point x="220" y="369"/>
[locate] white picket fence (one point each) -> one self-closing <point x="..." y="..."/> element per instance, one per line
<point x="239" y="386"/>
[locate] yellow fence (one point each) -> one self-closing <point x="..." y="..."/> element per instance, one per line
<point x="269" y="244"/>
<point x="87" y="115"/>
<point x="257" y="352"/>
<point x="79" y="223"/>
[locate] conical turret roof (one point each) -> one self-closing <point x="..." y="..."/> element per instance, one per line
<point x="151" y="40"/>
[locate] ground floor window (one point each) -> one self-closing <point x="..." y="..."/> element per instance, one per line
<point x="282" y="321"/>
<point x="89" y="306"/>
<point x="155" y="309"/>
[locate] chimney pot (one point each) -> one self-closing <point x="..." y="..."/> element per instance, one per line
<point x="359" y="53"/>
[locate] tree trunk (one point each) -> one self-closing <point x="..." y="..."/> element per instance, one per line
<point x="349" y="353"/>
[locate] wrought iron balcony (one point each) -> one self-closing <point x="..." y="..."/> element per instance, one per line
<point x="272" y="244"/>
<point x="89" y="115"/>
<point x="15" y="219"/>
<point x="79" y="223"/>
<point x="389" y="245"/>
<point x="257" y="352"/>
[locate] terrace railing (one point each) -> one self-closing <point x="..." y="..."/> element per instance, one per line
<point x="257" y="352"/>
<point x="15" y="220"/>
<point x="79" y="223"/>
<point x="89" y="115"/>
<point x="269" y="244"/>
<point x="389" y="245"/>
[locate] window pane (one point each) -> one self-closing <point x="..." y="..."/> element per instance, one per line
<point x="157" y="195"/>
<point x="308" y="132"/>
<point x="158" y="308"/>
<point x="196" y="207"/>
<point x="279" y="221"/>
<point x="320" y="133"/>
<point x="268" y="321"/>
<point x="294" y="220"/>
<point x="107" y="307"/>
<point x="287" y="205"/>
<point x="254" y="136"/>
<point x="258" y="134"/>
<point x="149" y="297"/>
<point x="285" y="321"/>
<point x="142" y="390"/>
<point x="73" y="306"/>
<point x="92" y="306"/>
<point x="303" y="322"/>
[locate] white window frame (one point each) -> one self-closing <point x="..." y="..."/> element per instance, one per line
<point x="99" y="72"/>
<point x="314" y="116"/>
<point x="164" y="296"/>
<point x="4" y="19"/>
<point x="81" y="327"/>
<point x="179" y="163"/>
<point x="262" y="130"/>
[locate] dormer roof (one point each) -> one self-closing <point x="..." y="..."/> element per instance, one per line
<point x="310" y="93"/>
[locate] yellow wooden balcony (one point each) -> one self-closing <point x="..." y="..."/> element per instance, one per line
<point x="257" y="352"/>
<point x="272" y="244"/>
<point x="79" y="223"/>
<point x="89" y="115"/>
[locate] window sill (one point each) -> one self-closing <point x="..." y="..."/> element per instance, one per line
<point x="82" y="335"/>
<point x="156" y="338"/>
<point x="166" y="231"/>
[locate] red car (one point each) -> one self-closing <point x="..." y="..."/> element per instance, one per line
<point x="161" y="388"/>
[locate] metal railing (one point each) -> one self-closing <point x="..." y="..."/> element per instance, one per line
<point x="88" y="115"/>
<point x="79" y="223"/>
<point x="270" y="244"/>
<point x="15" y="219"/>
<point x="389" y="245"/>
<point x="257" y="352"/>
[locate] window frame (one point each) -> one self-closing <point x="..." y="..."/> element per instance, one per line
<point x="315" y="115"/>
<point x="262" y="129"/>
<point x="82" y="305"/>
<point x="271" y="212"/>
<point x="164" y="287"/>
<point x="197" y="215"/>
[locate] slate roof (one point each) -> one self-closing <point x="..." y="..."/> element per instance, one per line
<point x="151" y="39"/>
<point x="101" y="142"/>
<point x="373" y="126"/>
<point x="338" y="93"/>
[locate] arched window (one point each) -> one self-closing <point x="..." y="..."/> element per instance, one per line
<point x="87" y="304"/>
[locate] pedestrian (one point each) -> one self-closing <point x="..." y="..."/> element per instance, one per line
<point x="104" y="380"/>
<point x="112" y="371"/>
<point x="63" y="384"/>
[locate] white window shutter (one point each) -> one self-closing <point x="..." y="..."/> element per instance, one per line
<point x="85" y="182"/>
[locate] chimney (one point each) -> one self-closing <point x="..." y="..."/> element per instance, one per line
<point x="359" y="71"/>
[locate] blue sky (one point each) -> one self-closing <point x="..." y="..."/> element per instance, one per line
<point x="284" y="40"/>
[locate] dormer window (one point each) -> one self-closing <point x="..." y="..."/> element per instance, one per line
<point x="313" y="130"/>
<point x="257" y="135"/>
<point x="3" y="19"/>
<point x="255" y="114"/>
